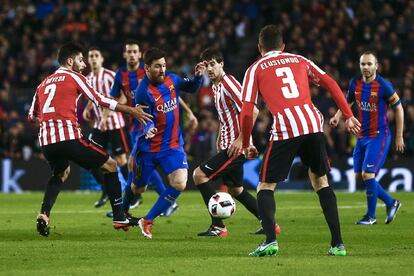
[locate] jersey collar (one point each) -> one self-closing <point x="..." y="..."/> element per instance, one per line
<point x="272" y="52"/>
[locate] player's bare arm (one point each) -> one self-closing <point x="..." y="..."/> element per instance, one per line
<point x="334" y="121"/>
<point x="192" y="119"/>
<point x="399" y="120"/>
<point x="137" y="112"/>
<point x="237" y="147"/>
<point x="86" y="114"/>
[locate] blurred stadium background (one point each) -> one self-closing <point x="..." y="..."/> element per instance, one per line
<point x="331" y="33"/>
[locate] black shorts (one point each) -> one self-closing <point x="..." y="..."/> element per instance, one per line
<point x="81" y="151"/>
<point x="118" y="140"/>
<point x="230" y="170"/>
<point x="279" y="156"/>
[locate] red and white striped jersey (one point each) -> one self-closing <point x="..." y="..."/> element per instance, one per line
<point x="282" y="80"/>
<point x="55" y="105"/>
<point x="227" y="99"/>
<point x="102" y="82"/>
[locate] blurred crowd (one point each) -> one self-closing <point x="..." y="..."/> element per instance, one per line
<point x="331" y="33"/>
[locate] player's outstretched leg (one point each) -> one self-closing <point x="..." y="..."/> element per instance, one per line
<point x="165" y="200"/>
<point x="372" y="196"/>
<point x="329" y="206"/>
<point x="97" y="173"/>
<point x="52" y="191"/>
<point x="202" y="182"/>
<point x="392" y="205"/>
<point x="267" y="209"/>
<point x="250" y="203"/>
<point x="113" y="188"/>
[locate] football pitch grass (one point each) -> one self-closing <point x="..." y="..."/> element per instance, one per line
<point x="83" y="242"/>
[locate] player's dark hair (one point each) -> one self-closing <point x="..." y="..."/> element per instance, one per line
<point x="270" y="38"/>
<point x="370" y="52"/>
<point x="131" y="42"/>
<point x="211" y="53"/>
<point x="68" y="50"/>
<point x="153" y="54"/>
<point x="95" y="48"/>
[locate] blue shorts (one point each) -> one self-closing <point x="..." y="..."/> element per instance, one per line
<point x="168" y="160"/>
<point x="370" y="153"/>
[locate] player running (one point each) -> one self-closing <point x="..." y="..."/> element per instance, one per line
<point x="108" y="126"/>
<point x="54" y="106"/>
<point x="372" y="94"/>
<point x="160" y="91"/>
<point x="282" y="80"/>
<point x="227" y="99"/>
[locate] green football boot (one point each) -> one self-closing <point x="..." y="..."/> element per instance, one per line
<point x="265" y="249"/>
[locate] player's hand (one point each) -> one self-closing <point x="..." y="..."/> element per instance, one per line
<point x="399" y="144"/>
<point x="140" y="114"/>
<point x="353" y="125"/>
<point x="33" y="119"/>
<point x="102" y="125"/>
<point x="334" y="121"/>
<point x="151" y="133"/>
<point x="86" y="115"/>
<point x="251" y="152"/>
<point x="200" y="68"/>
<point x="192" y="122"/>
<point x="236" y="148"/>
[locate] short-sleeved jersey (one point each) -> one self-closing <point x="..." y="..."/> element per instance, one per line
<point x="164" y="105"/>
<point x="227" y="100"/>
<point x="372" y="99"/>
<point x="102" y="82"/>
<point x="55" y="105"/>
<point x="282" y="80"/>
<point x="127" y="81"/>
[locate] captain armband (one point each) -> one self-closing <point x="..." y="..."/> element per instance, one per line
<point x="394" y="100"/>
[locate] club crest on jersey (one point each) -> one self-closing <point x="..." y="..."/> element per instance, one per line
<point x="374" y="94"/>
<point x="167" y="106"/>
<point x="171" y="88"/>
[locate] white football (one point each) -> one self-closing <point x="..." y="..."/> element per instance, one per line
<point x="221" y="205"/>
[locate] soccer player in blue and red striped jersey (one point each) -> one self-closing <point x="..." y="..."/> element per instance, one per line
<point x="372" y="95"/>
<point x="126" y="81"/>
<point x="159" y="90"/>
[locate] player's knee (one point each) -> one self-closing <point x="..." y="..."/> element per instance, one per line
<point x="138" y="190"/>
<point x="199" y="176"/>
<point x="109" y="166"/>
<point x="266" y="186"/>
<point x="64" y="175"/>
<point x="358" y="177"/>
<point x="367" y="175"/>
<point x="121" y="159"/>
<point x="179" y="182"/>
<point x="235" y="191"/>
<point x="319" y="183"/>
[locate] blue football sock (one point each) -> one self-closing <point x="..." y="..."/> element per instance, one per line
<point x="156" y="180"/>
<point x="384" y="196"/>
<point x="372" y="196"/>
<point x="166" y="199"/>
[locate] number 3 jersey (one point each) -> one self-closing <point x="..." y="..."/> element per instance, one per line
<point x="282" y="80"/>
<point x="55" y="105"/>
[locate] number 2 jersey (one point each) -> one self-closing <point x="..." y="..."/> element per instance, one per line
<point x="55" y="105"/>
<point x="282" y="80"/>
